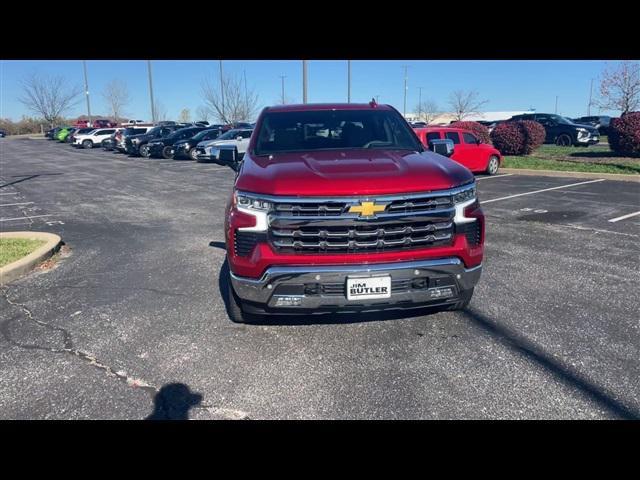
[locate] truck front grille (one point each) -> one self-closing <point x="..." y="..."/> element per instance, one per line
<point x="327" y="226"/>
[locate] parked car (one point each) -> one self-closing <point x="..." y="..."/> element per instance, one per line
<point x="3" y="133"/>
<point x="562" y="131"/>
<point x="364" y="219"/>
<point x="207" y="151"/>
<point x="93" y="138"/>
<point x="78" y="131"/>
<point x="185" y="148"/>
<point x="62" y="134"/>
<point x="110" y="143"/>
<point x="600" y="122"/>
<point x="163" y="147"/>
<point x="138" y="144"/>
<point x="132" y="122"/>
<point x="468" y="149"/>
<point x="121" y="137"/>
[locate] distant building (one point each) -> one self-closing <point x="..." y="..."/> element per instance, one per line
<point x="446" y="118"/>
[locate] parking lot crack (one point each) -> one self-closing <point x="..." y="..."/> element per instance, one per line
<point x="70" y="349"/>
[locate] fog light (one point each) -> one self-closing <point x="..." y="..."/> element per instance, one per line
<point x="289" y="301"/>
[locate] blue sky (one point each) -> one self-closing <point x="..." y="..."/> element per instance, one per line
<point x="507" y="85"/>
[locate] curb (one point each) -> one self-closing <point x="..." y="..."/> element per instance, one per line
<point x="20" y="267"/>
<point x="561" y="173"/>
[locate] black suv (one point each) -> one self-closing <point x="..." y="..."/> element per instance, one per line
<point x="601" y="122"/>
<point x="562" y="131"/>
<point x="186" y="148"/>
<point x="163" y="147"/>
<point x="138" y="144"/>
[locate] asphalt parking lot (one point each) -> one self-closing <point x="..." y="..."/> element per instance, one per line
<point x="134" y="307"/>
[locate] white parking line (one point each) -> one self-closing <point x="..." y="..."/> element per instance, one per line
<point x="13" y="204"/>
<point x="494" y="176"/>
<point x="22" y="218"/>
<point x="543" y="190"/>
<point x="617" y="219"/>
<point x="12" y="193"/>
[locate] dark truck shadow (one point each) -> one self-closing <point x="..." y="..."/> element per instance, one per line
<point x="535" y="353"/>
<point x="173" y="402"/>
<point x="26" y="177"/>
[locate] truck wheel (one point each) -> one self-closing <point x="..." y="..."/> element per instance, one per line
<point x="193" y="154"/>
<point x="166" y="153"/>
<point x="493" y="165"/>
<point x="234" y="307"/>
<point x="465" y="298"/>
<point x="87" y="144"/>
<point x="144" y="151"/>
<point x="563" y="140"/>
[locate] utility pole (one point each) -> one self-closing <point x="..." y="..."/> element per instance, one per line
<point x="246" y="96"/>
<point x="304" y="81"/>
<point x="377" y="98"/>
<point x="86" y="90"/>
<point x="153" y="107"/>
<point x="590" y="96"/>
<point x="419" y="103"/>
<point x="348" y="81"/>
<point x="283" y="98"/>
<point x="404" y="108"/>
<point x="556" y="104"/>
<point x="222" y="93"/>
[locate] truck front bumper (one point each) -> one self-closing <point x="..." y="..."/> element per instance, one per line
<point x="323" y="288"/>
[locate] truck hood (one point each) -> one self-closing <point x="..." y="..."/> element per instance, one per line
<point x="352" y="172"/>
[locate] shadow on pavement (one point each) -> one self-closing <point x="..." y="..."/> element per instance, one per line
<point x="173" y="402"/>
<point x="26" y="177"/>
<point x="533" y="352"/>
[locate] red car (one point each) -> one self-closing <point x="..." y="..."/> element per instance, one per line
<point x="468" y="150"/>
<point x="339" y="207"/>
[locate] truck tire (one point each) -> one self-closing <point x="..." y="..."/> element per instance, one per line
<point x="465" y="298"/>
<point x="493" y="165"/>
<point x="87" y="144"/>
<point x="193" y="154"/>
<point x="234" y="307"/>
<point x="144" y="151"/>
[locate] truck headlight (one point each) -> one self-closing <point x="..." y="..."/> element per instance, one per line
<point x="462" y="199"/>
<point x="255" y="206"/>
<point x="583" y="132"/>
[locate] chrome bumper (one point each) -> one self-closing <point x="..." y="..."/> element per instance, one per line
<point x="446" y="272"/>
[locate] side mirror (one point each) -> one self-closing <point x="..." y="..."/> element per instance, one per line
<point x="239" y="138"/>
<point x="443" y="147"/>
<point x="478" y="142"/>
<point x="227" y="156"/>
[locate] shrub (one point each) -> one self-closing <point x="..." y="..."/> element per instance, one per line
<point x="478" y="129"/>
<point x="624" y="134"/>
<point x="518" y="138"/>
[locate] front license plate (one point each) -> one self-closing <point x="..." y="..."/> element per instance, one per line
<point x="368" y="288"/>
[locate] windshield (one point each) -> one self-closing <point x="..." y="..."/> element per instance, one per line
<point x="202" y="134"/>
<point x="230" y="135"/>
<point x="334" y="130"/>
<point x="561" y="120"/>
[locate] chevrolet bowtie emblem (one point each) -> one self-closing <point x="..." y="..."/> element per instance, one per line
<point x="367" y="209"/>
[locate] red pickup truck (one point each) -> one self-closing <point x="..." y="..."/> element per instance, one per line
<point x="340" y="207"/>
<point x="469" y="150"/>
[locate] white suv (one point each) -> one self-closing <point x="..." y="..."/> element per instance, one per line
<point x="91" y="139"/>
<point x="239" y="138"/>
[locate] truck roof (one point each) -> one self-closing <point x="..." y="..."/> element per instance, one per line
<point x="297" y="107"/>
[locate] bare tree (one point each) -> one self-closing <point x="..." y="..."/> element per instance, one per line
<point x="117" y="97"/>
<point x="464" y="104"/>
<point x="185" y="115"/>
<point x="48" y="96"/>
<point x="161" y="111"/>
<point x="234" y="104"/>
<point x="203" y="113"/>
<point x="620" y="87"/>
<point x="427" y="111"/>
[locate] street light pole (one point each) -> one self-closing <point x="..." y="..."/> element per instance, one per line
<point x="282" y="77"/>
<point x="86" y="90"/>
<point x="590" y="96"/>
<point x="419" y="103"/>
<point x="348" y="81"/>
<point x="556" y="104"/>
<point x="222" y="92"/>
<point x="404" y="108"/>
<point x="153" y="107"/>
<point x="304" y="81"/>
